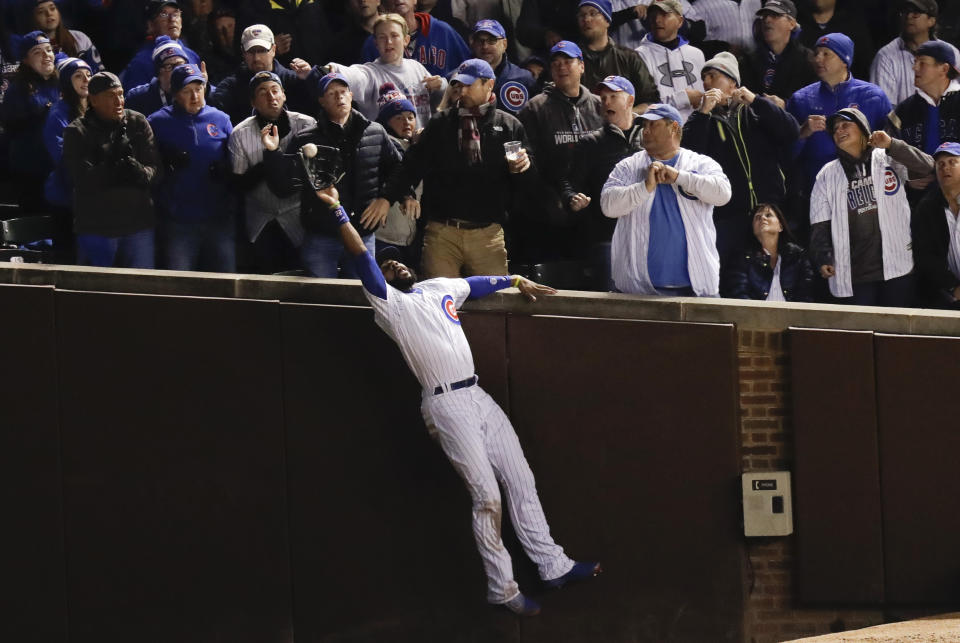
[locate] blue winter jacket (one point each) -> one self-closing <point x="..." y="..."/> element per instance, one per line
<point x="57" y="189"/>
<point x="514" y="86"/>
<point x="147" y="98"/>
<point x="194" y="192"/>
<point x="24" y="116"/>
<point x="140" y="69"/>
<point x="818" y="149"/>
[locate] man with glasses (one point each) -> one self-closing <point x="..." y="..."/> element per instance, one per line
<point x="163" y="19"/>
<point x="515" y="85"/>
<point x="148" y="98"/>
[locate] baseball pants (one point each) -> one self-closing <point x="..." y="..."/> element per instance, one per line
<point x="480" y="442"/>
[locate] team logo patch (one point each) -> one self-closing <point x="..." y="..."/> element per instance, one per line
<point x="450" y="309"/>
<point x="213" y="130"/>
<point x="513" y="95"/>
<point x="891" y="182"/>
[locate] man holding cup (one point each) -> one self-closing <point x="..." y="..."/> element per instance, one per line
<point x="471" y="157"/>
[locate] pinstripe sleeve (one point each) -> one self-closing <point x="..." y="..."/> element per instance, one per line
<point x="709" y="183"/>
<point x="624" y="189"/>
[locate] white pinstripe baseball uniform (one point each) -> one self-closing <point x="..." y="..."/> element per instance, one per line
<point x="700" y="185"/>
<point x="472" y="429"/>
<point x="892" y="70"/>
<point x="729" y="20"/>
<point x="828" y="202"/>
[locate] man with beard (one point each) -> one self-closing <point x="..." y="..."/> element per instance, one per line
<point x="472" y="430"/>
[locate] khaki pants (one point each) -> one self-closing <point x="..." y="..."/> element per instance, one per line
<point x="454" y="252"/>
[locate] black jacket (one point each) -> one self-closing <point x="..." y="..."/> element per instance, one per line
<point x="554" y="124"/>
<point x="908" y="120"/>
<point x="368" y="156"/>
<point x="593" y="159"/>
<point x="749" y="145"/>
<point x="749" y="275"/>
<point x="794" y="69"/>
<point x="453" y="189"/>
<point x="931" y="243"/>
<point x="615" y="60"/>
<point x="111" y="166"/>
<point x="232" y="94"/>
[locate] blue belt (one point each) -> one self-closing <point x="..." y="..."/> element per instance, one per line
<point x="456" y="386"/>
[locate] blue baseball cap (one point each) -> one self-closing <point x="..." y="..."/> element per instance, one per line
<point x="183" y="75"/>
<point x="491" y="27"/>
<point x="567" y="48"/>
<point x="953" y="149"/>
<point x="326" y="79"/>
<point x="603" y="6"/>
<point x="942" y="53"/>
<point x="470" y="70"/>
<point x="838" y="44"/>
<point x="658" y="111"/>
<point x="617" y="84"/>
<point x="30" y="41"/>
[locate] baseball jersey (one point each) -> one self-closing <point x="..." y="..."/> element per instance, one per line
<point x="426" y="326"/>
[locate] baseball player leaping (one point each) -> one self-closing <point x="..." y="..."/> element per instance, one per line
<point x="473" y="431"/>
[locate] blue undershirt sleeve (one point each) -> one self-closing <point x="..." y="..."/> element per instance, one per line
<point x="483" y="286"/>
<point x="370" y="275"/>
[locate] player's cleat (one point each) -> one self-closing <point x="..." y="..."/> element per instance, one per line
<point x="579" y="571"/>
<point x="522" y="605"/>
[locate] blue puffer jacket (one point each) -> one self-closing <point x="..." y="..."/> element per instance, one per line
<point x="818" y="149"/>
<point x="749" y="275"/>
<point x="57" y="189"/>
<point x="194" y="192"/>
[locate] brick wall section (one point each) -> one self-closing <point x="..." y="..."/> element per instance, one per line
<point x="771" y="613"/>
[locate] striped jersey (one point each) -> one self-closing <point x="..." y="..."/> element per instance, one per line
<point x="426" y="326"/>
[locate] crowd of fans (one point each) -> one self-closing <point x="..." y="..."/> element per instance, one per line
<point x="740" y="148"/>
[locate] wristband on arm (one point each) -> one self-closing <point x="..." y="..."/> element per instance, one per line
<point x="339" y="213"/>
<point x="483" y="286"/>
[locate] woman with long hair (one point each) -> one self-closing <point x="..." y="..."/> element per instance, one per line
<point x="772" y="267"/>
<point x="45" y="16"/>
<point x="32" y="92"/>
<point x="74" y="80"/>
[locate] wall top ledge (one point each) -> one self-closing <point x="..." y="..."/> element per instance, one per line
<point x="749" y="315"/>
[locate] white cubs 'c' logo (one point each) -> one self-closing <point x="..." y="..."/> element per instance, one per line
<point x="891" y="182"/>
<point x="513" y="95"/>
<point x="450" y="309"/>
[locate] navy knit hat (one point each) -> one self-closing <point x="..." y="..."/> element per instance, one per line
<point x="165" y="47"/>
<point x="66" y="68"/>
<point x="840" y="45"/>
<point x="603" y="6"/>
<point x="392" y="102"/>
<point x="30" y="41"/>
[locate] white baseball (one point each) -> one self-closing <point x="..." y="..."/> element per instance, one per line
<point x="309" y="150"/>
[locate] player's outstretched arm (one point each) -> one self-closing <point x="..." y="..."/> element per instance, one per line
<point x="370" y="275"/>
<point x="483" y="286"/>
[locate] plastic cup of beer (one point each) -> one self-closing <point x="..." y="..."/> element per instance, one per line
<point x="512" y="150"/>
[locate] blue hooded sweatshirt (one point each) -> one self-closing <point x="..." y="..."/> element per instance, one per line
<point x="191" y="193"/>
